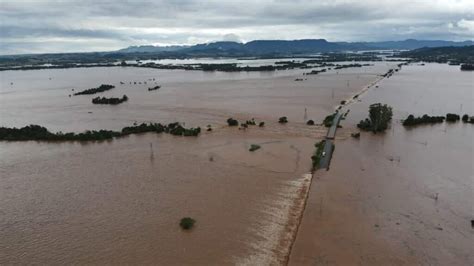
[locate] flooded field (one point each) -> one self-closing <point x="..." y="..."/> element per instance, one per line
<point x="405" y="197"/>
<point x="120" y="201"/>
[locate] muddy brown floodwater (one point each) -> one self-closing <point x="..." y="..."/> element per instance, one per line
<point x="405" y="197"/>
<point x="120" y="201"/>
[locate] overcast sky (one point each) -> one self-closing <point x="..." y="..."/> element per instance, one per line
<point x="67" y="26"/>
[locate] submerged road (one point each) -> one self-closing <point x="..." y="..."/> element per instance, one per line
<point x="328" y="146"/>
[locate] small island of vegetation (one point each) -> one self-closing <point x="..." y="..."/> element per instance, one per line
<point x="154" y="88"/>
<point x="232" y="122"/>
<point x="101" y="88"/>
<point x="467" y="67"/>
<point x="113" y="101"/>
<point x="452" y="117"/>
<point x="327" y="122"/>
<point x="254" y="147"/>
<point x="283" y="120"/>
<point x="411" y="120"/>
<point x="379" y="118"/>
<point x="35" y="132"/>
<point x="187" y="223"/>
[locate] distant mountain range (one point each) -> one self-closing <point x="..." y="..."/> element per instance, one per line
<point x="282" y="47"/>
<point x="255" y="49"/>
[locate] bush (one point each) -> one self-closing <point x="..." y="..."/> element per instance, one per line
<point x="318" y="154"/>
<point x="411" y="120"/>
<point x="254" y="147"/>
<point x="250" y="122"/>
<point x="327" y="122"/>
<point x="465" y="118"/>
<point x="232" y="122"/>
<point x="355" y="135"/>
<point x="261" y="124"/>
<point x="187" y="223"/>
<point x="310" y="123"/>
<point x="467" y="67"/>
<point x="283" y="120"/>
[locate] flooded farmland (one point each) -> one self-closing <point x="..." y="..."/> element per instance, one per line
<point x="404" y="197"/>
<point x="120" y="201"/>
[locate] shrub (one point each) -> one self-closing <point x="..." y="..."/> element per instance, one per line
<point x="283" y="120"/>
<point x="250" y="122"/>
<point x="310" y="123"/>
<point x="355" y="135"/>
<point x="261" y="124"/>
<point x="187" y="223"/>
<point x="254" y="147"/>
<point x="232" y="122"/>
<point x="465" y="118"/>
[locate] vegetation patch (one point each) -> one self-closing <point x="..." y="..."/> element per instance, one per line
<point x="452" y="117"/>
<point x="355" y="135"/>
<point x="251" y="122"/>
<point x="379" y="118"/>
<point x="35" y="132"/>
<point x="317" y="155"/>
<point x="310" y="123"/>
<point x="101" y="88"/>
<point x="467" y="67"/>
<point x="468" y="119"/>
<point x="187" y="223"/>
<point x="232" y="122"/>
<point x="315" y="72"/>
<point x="113" y="101"/>
<point x="411" y="120"/>
<point x="327" y="122"/>
<point x="254" y="147"/>
<point x="261" y="124"/>
<point x="154" y="88"/>
<point x="283" y="120"/>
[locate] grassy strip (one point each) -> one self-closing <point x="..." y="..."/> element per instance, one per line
<point x="318" y="154"/>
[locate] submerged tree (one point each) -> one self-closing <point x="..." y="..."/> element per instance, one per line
<point x="379" y="118"/>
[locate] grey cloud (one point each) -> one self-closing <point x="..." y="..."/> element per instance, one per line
<point x="110" y="24"/>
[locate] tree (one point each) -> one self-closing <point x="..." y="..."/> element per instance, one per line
<point x="379" y="118"/>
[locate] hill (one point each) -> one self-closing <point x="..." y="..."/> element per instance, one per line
<point x="451" y="54"/>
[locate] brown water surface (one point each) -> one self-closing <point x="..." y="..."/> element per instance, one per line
<point x="405" y="197"/>
<point x="120" y="201"/>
